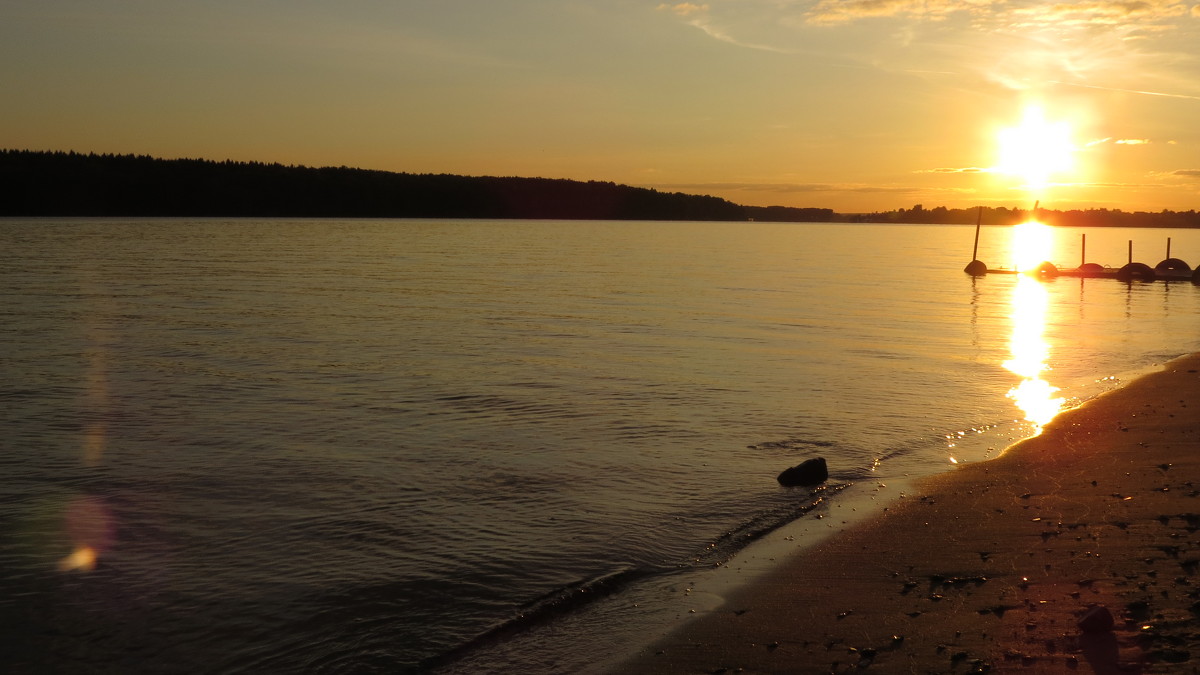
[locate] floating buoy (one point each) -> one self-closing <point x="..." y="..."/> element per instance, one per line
<point x="1091" y="268"/>
<point x="1133" y="270"/>
<point x="976" y="268"/>
<point x="1173" y="265"/>
<point x="1045" y="269"/>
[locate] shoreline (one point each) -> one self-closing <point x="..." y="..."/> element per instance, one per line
<point x="992" y="565"/>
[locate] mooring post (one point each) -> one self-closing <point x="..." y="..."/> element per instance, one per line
<point x="1168" y="247"/>
<point x="1131" y="251"/>
<point x="1082" y="249"/>
<point x="978" y="222"/>
<point x="976" y="268"/>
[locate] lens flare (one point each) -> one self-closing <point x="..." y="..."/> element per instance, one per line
<point x="82" y="558"/>
<point x="90" y="526"/>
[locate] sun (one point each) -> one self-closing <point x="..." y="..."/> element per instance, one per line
<point x="1036" y="149"/>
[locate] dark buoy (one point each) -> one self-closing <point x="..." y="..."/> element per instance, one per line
<point x="809" y="472"/>
<point x="1173" y="265"/>
<point x="1045" y="269"/>
<point x="976" y="268"/>
<point x="1196" y="276"/>
<point x="1133" y="270"/>
<point x="1091" y="268"/>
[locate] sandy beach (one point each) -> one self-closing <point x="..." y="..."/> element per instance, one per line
<point x="1074" y="551"/>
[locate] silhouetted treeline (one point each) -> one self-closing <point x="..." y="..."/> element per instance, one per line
<point x="789" y="214"/>
<point x="34" y="183"/>
<point x="74" y="184"/>
<point x="1006" y="216"/>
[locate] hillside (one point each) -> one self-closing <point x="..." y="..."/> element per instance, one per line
<point x="74" y="184"/>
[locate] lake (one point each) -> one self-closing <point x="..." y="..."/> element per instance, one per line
<point x="404" y="445"/>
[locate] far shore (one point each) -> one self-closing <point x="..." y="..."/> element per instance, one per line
<point x="1074" y="551"/>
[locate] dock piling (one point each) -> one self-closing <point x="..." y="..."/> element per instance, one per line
<point x="979" y="221"/>
<point x="976" y="268"/>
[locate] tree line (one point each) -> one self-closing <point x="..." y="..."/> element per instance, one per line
<point x="75" y="184"/>
<point x="1011" y="216"/>
<point x="37" y="183"/>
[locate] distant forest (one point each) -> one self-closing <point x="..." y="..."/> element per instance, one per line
<point x="74" y="184"/>
<point x="1005" y="216"/>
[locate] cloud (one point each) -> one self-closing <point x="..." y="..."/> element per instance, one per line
<point x="1127" y="91"/>
<point x="1015" y="13"/>
<point x="1100" y="13"/>
<point x="1119" y="141"/>
<point x="755" y="187"/>
<point x="683" y="8"/>
<point x="1187" y="173"/>
<point x="804" y="188"/>
<point x="844" y="11"/>
<point x="699" y="16"/>
<point x="966" y="169"/>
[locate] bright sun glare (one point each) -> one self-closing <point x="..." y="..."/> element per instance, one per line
<point x="1036" y="150"/>
<point x="1032" y="244"/>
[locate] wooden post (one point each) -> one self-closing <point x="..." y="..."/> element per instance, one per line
<point x="1130" y="250"/>
<point x="1083" y="250"/>
<point x="978" y="222"/>
<point x="1168" y="247"/>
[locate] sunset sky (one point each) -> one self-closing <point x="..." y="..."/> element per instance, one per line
<point x="855" y="105"/>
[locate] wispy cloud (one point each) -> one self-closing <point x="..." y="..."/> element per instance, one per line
<point x="786" y="188"/>
<point x="1128" y="91"/>
<point x="805" y="188"/>
<point x="844" y="11"/>
<point x="1083" y="36"/>
<point x="1187" y="173"/>
<point x="966" y="169"/>
<point x="699" y="16"/>
<point x="1119" y="141"/>
<point x="1022" y="13"/>
<point x="1094" y="14"/>
<point x="683" y="8"/>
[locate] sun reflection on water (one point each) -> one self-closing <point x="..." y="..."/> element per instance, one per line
<point x="1030" y="351"/>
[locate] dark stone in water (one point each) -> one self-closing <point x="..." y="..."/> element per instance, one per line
<point x="810" y="472"/>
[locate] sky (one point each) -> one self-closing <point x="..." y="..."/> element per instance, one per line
<point x="854" y="105"/>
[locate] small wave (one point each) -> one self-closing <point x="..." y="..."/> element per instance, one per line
<point x="544" y="609"/>
<point x="575" y="596"/>
<point x="761" y="524"/>
<point x="793" y="444"/>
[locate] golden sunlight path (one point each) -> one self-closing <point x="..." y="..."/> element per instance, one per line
<point x="991" y="566"/>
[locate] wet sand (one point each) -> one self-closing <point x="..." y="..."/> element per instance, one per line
<point x="993" y="566"/>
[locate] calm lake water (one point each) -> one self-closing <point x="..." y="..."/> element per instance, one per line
<point x="389" y="446"/>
